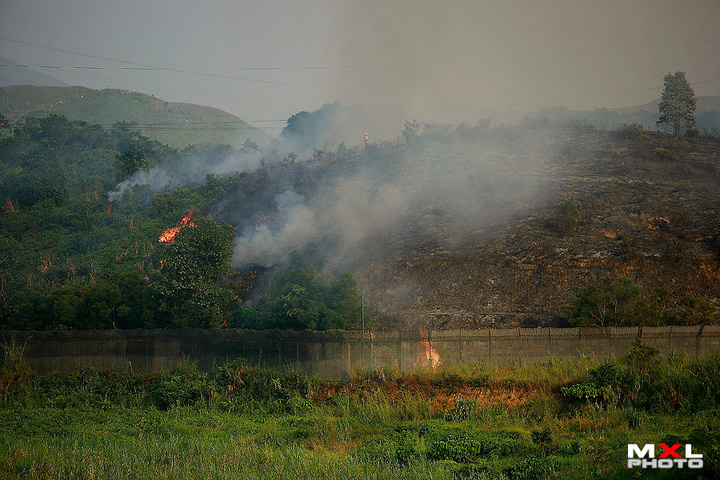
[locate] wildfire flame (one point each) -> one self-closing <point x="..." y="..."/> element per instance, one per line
<point x="168" y="236"/>
<point x="109" y="209"/>
<point x="432" y="357"/>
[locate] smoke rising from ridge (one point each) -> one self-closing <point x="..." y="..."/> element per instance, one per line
<point x="330" y="213"/>
<point x="192" y="168"/>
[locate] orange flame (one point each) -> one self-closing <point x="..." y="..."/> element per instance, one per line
<point x="109" y="209"/>
<point x="432" y="357"/>
<point x="168" y="236"/>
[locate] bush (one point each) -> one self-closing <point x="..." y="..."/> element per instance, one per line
<point x="663" y="153"/>
<point x="530" y="469"/>
<point x="641" y="358"/>
<point x="634" y="131"/>
<point x="15" y="374"/>
<point x="275" y="390"/>
<point x="543" y="438"/>
<point x="612" y="304"/>
<point x="182" y="386"/>
<point x="463" y="411"/>
<point x="589" y="391"/>
<point x="566" y="217"/>
<point x="460" y="448"/>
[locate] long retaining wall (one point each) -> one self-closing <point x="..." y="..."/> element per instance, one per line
<point x="333" y="354"/>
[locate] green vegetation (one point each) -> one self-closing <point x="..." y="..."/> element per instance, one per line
<point x="633" y="132"/>
<point x="186" y="290"/>
<point x="624" y="303"/>
<point x="678" y="104"/>
<point x="566" y="217"/>
<point x="306" y="300"/>
<point x="71" y="259"/>
<point x="306" y="129"/>
<point x="556" y="419"/>
<point x="175" y="124"/>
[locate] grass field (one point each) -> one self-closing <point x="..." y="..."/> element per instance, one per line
<point x="557" y="419"/>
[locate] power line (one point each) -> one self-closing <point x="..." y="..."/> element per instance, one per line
<point x="156" y="69"/>
<point x="204" y="71"/>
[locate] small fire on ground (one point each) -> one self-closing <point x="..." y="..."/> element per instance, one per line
<point x="432" y="357"/>
<point x="168" y="236"/>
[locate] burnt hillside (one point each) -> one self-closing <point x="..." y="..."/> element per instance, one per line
<point x="493" y="229"/>
<point x="647" y="208"/>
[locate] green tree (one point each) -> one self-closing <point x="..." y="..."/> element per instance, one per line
<point x="346" y="300"/>
<point x="131" y="160"/>
<point x="678" y="104"/>
<point x="307" y="300"/>
<point x="608" y="305"/>
<point x="306" y="129"/>
<point x="187" y="290"/>
<point x="42" y="177"/>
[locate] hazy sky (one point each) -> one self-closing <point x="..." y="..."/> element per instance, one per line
<point x="437" y="60"/>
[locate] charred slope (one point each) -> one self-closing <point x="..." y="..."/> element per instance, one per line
<point x="647" y="208"/>
<point x="467" y="233"/>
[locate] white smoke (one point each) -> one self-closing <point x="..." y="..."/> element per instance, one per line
<point x="191" y="169"/>
<point x="439" y="193"/>
<point x="267" y="248"/>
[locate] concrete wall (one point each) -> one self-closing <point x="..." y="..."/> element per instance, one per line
<point x="333" y="354"/>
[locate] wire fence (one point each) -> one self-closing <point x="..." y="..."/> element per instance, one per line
<point x="333" y="355"/>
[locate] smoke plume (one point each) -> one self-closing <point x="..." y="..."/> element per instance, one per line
<point x="191" y="168"/>
<point x="427" y="196"/>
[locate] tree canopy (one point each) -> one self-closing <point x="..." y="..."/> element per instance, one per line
<point x="678" y="104"/>
<point x="305" y="300"/>
<point x="187" y="290"/>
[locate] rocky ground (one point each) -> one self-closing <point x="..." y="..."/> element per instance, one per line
<point x="647" y="207"/>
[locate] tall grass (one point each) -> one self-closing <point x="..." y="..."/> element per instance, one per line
<point x="508" y="421"/>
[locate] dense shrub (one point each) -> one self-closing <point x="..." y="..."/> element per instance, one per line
<point x="633" y="131"/>
<point x="610" y="304"/>
<point x="530" y="469"/>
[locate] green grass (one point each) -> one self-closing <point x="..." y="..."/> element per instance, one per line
<point x="502" y="422"/>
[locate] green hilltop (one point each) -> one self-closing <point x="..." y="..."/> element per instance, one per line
<point x="174" y="124"/>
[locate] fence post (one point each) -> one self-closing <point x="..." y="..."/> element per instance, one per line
<point x="460" y="346"/>
<point x="348" y="357"/>
<point x="549" y="347"/>
<point x="609" y="342"/>
<point x="697" y="340"/>
<point x="489" y="345"/>
<point x="400" y="349"/>
<point x="316" y="347"/>
<point x="520" y="359"/>
<point x="362" y="349"/>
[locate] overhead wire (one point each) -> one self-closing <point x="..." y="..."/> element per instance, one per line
<point x="227" y="126"/>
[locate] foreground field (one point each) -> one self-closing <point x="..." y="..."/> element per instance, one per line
<point x="552" y="420"/>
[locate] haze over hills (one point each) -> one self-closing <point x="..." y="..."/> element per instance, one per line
<point x="704" y="104"/>
<point x="12" y="73"/>
<point x="175" y="124"/>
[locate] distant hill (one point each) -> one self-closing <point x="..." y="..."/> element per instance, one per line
<point x="176" y="124"/>
<point x="11" y="73"/>
<point x="704" y="104"/>
<point x="707" y="116"/>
